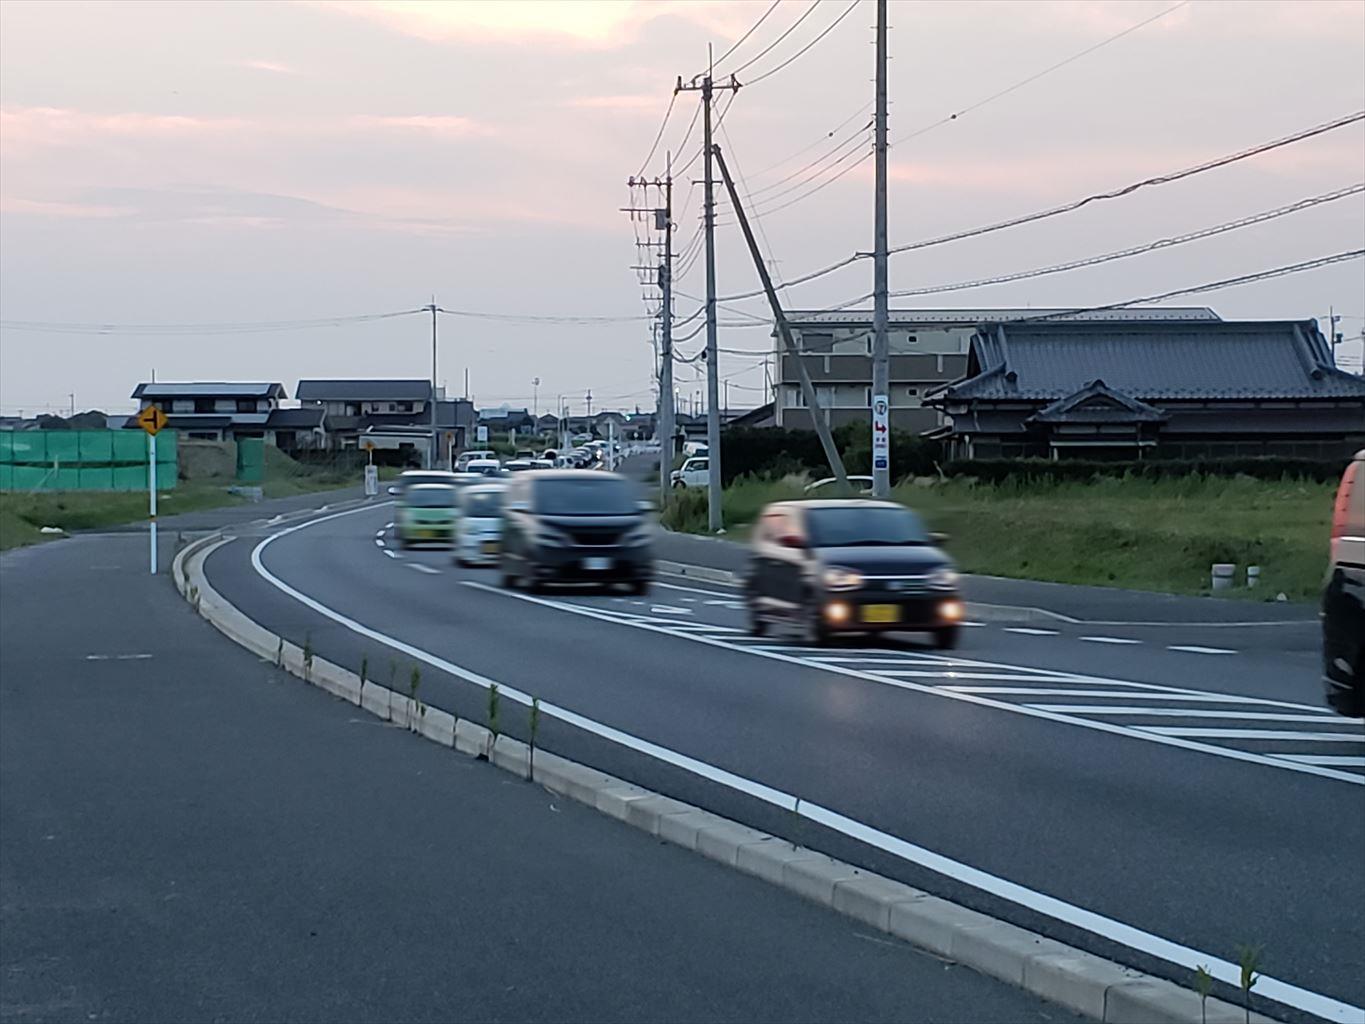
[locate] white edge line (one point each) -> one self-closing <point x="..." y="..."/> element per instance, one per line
<point x="1097" y="924"/>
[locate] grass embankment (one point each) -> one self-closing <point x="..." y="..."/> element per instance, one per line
<point x="1143" y="534"/>
<point x="207" y="470"/>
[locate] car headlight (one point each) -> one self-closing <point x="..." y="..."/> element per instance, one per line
<point x="838" y="578"/>
<point x="637" y="535"/>
<point x="944" y="577"/>
<point x="552" y="538"/>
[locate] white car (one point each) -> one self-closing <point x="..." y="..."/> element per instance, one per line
<point x="694" y="473"/>
<point x="462" y="463"/>
<point x="517" y="465"/>
<point x="484" y="467"/>
<point x="542" y="463"/>
<point x="695" y="448"/>
<point x="478" y="525"/>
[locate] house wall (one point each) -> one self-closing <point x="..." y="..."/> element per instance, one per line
<point x="839" y="362"/>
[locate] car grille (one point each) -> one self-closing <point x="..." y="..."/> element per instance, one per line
<point x="595" y="537"/>
<point x="910" y="584"/>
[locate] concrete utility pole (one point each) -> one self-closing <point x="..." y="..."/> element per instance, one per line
<point x="836" y="464"/>
<point x="535" y="397"/>
<point x="435" y="433"/>
<point x="713" y="493"/>
<point x="665" y="416"/>
<point x="881" y="347"/>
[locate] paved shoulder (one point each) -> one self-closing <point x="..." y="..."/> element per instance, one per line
<point x="187" y="834"/>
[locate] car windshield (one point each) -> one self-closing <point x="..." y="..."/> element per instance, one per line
<point x="482" y="504"/>
<point x="854" y="526"/>
<point x="592" y="494"/>
<point x="431" y="497"/>
<point x="414" y="479"/>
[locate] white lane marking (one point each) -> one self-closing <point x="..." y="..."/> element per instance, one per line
<point x="1334" y="760"/>
<point x="117" y="657"/>
<point x="1251" y="734"/>
<point x="1195" y="649"/>
<point x="971" y="624"/>
<point x="726" y="604"/>
<point x="953" y="674"/>
<point x="695" y="590"/>
<point x="1194" y="698"/>
<point x="966" y="694"/>
<point x="1069" y="913"/>
<point x="379" y="533"/>
<point x="1027" y="631"/>
<point x="391" y="554"/>
<point x="388" y="526"/>
<point x="378" y="542"/>
<point x="1256" y="716"/>
<point x="689" y="600"/>
<point x="1110" y="640"/>
<point x="424" y="568"/>
<point x="669" y="609"/>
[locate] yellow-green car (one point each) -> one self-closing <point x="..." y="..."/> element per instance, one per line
<point x="426" y="515"/>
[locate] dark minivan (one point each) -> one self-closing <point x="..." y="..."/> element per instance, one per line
<point x="850" y="566"/>
<point x="575" y="526"/>
<point x="1343" y="597"/>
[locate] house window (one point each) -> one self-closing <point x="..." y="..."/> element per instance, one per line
<point x="203" y="405"/>
<point x="816" y="342"/>
<point x="912" y="392"/>
<point x="402" y="407"/>
<point x="910" y="339"/>
<point x="246" y="405"/>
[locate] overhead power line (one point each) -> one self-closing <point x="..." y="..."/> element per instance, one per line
<point x="1137" y="250"/>
<point x="1043" y="73"/>
<point x="1229" y="282"/>
<point x="1055" y="211"/>
<point x="529" y="318"/>
<point x="830" y="28"/>
<point x="247" y="327"/>
<point x="740" y="41"/>
<point x="1160" y="179"/>
<point x="769" y="48"/>
<point x="644" y="164"/>
<point x="828" y="135"/>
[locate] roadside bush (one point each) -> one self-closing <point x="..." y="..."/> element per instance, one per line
<point x="770" y="452"/>
<point x="1045" y="470"/>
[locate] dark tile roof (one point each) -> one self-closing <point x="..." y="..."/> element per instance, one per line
<point x="364" y="390"/>
<point x="1098" y="403"/>
<point x="1239" y="359"/>
<point x="941" y="317"/>
<point x="295" y="419"/>
<point x="209" y="389"/>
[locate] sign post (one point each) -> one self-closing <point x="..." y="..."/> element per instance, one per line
<point x="152" y="420"/>
<point x="371" y="472"/>
<point x="881" y="433"/>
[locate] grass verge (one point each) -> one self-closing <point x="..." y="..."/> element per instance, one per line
<point x="1157" y="535"/>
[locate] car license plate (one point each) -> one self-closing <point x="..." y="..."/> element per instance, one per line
<point x="597" y="564"/>
<point x="490" y="547"/>
<point x="881" y="613"/>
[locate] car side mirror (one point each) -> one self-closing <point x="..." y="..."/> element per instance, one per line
<point x="938" y="538"/>
<point x="792" y="540"/>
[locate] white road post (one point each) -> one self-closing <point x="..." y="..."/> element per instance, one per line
<point x="151" y="494"/>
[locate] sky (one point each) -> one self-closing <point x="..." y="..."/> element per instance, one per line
<point x="251" y="163"/>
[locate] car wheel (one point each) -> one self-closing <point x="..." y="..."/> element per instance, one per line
<point x="757" y="626"/>
<point x="946" y="639"/>
<point x="814" y="630"/>
<point x="678" y="485"/>
<point x="639" y="587"/>
<point x="509" y="578"/>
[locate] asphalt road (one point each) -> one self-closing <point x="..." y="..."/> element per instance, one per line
<point x="188" y="834"/>
<point x="1127" y="780"/>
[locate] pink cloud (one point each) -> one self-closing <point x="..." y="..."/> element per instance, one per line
<point x="38" y="126"/>
<point x="634" y="101"/>
<point x="445" y="125"/>
<point x="273" y="66"/>
<point x="589" y="23"/>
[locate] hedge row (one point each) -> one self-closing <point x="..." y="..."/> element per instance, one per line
<point x="1269" y="467"/>
<point x="772" y="452"/>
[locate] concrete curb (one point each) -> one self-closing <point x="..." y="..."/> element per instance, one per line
<point x="1062" y="974"/>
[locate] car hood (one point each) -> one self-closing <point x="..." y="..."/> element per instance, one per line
<point x="873" y="560"/>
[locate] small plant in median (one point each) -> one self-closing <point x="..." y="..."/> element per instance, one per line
<point x="1249" y="957"/>
<point x="279" y="654"/>
<point x="308" y="657"/>
<point x="1203" y="984"/>
<point x="364" y="669"/>
<point x="493" y="700"/>
<point x="414" y="683"/>
<point x="535" y="729"/>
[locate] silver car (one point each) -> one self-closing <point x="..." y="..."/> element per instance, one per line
<point x="478" y="525"/>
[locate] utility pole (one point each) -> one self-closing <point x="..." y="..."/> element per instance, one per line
<point x="435" y="434"/>
<point x="1332" y="336"/>
<point x="881" y="347"/>
<point x="535" y="397"/>
<point x="836" y="464"/>
<point x="713" y="494"/>
<point x="665" y="417"/>
<point x="588" y="399"/>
